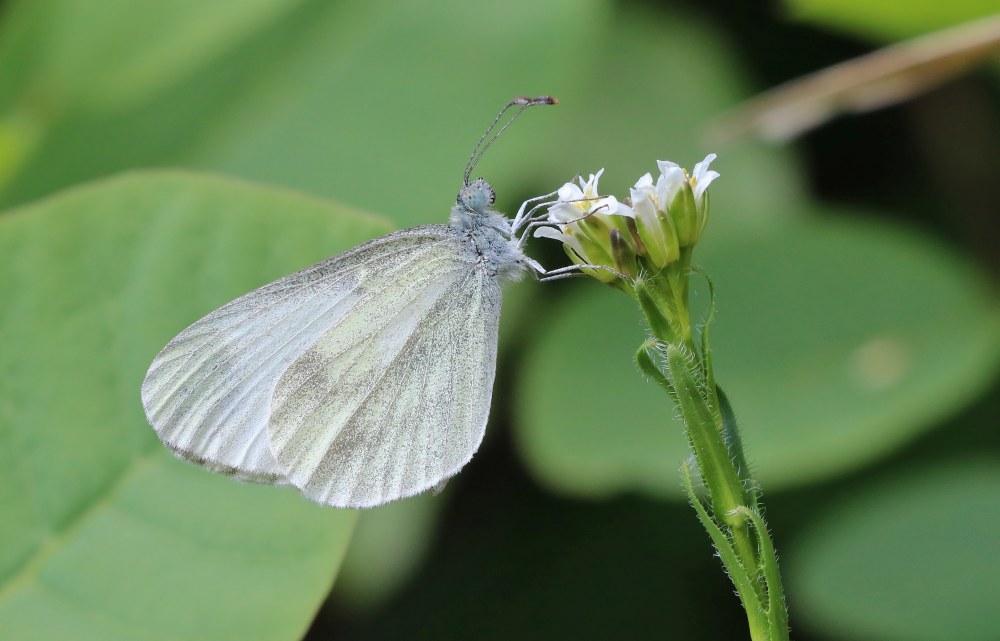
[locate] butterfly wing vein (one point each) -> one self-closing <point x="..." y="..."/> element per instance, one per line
<point x="208" y="392"/>
<point x="361" y="421"/>
<point x="361" y="379"/>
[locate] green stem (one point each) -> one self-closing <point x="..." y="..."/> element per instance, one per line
<point x="678" y="276"/>
<point x="726" y="489"/>
<point x="734" y="522"/>
<point x="777" y="613"/>
<point x="757" y="617"/>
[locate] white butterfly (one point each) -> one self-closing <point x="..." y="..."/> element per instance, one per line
<point x="362" y="379"/>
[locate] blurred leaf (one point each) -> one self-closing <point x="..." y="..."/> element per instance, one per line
<point x="890" y="19"/>
<point x="104" y="534"/>
<point x="656" y="81"/>
<point x="333" y="101"/>
<point x="391" y="131"/>
<point x="70" y="54"/>
<point x="387" y="547"/>
<point x="915" y="558"/>
<point x="836" y="341"/>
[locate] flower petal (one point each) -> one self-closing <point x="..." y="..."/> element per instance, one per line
<point x="569" y="191"/>
<point x="590" y="187"/>
<point x="701" y="168"/>
<point x="703" y="177"/>
<point x="566" y="239"/>
<point x="564" y="212"/>
<point x="550" y="232"/>
<point x="701" y="185"/>
<point x="670" y="182"/>
<point x="665" y="165"/>
<point x="613" y="207"/>
<point x="646" y="180"/>
<point x="643" y="207"/>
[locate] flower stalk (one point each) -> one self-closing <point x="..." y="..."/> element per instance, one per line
<point x="648" y="241"/>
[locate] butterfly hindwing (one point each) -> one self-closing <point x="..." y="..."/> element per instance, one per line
<point x="208" y="393"/>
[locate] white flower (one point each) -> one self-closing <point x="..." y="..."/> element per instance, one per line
<point x="703" y="177"/>
<point x="661" y="222"/>
<point x="566" y="239"/>
<point x="651" y="204"/>
<point x="582" y="220"/>
<point x="575" y="202"/>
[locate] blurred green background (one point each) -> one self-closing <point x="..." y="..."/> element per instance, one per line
<point x="159" y="159"/>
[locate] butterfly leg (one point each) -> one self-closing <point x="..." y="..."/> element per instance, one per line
<point x="542" y="275"/>
<point x="520" y="217"/>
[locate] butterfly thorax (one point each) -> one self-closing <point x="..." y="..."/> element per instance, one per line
<point x="487" y="232"/>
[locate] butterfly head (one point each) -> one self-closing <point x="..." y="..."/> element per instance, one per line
<point x="476" y="196"/>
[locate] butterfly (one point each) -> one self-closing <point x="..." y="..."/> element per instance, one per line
<point x="362" y="379"/>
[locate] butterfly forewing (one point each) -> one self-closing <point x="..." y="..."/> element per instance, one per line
<point x="395" y="399"/>
<point x="208" y="393"/>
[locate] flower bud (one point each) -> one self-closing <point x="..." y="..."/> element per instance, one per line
<point x="622" y="254"/>
<point x="684" y="213"/>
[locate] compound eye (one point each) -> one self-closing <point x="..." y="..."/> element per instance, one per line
<point x="478" y="195"/>
<point x="491" y="193"/>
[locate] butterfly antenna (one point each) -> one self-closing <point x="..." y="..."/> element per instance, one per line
<point x="523" y="103"/>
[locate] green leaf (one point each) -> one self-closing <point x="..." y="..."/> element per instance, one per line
<point x="734" y="442"/>
<point x="777" y="611"/>
<point x="913" y="557"/>
<point x="836" y="340"/>
<point x="664" y="76"/>
<point x="73" y="54"/>
<point x="332" y="101"/>
<point x="890" y="19"/>
<point x="646" y="357"/>
<point x="104" y="534"/>
<point x="714" y="460"/>
<point x="399" y="140"/>
<point x="387" y="548"/>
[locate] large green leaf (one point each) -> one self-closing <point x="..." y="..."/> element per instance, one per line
<point x="657" y="81"/>
<point x="626" y="125"/>
<point x="63" y="55"/>
<point x="60" y="58"/>
<point x="380" y="127"/>
<point x="836" y="340"/>
<point x="388" y="545"/>
<point x="331" y="100"/>
<point x="104" y="535"/>
<point x="916" y="557"/>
